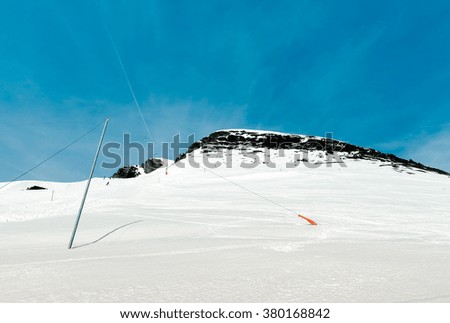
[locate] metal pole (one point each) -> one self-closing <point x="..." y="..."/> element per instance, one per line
<point x="87" y="185"/>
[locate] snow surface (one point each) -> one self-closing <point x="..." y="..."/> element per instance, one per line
<point x="263" y="133"/>
<point x="383" y="235"/>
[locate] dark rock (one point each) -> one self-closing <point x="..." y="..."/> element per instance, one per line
<point x="35" y="188"/>
<point x="127" y="172"/>
<point x="148" y="166"/>
<point x="152" y="164"/>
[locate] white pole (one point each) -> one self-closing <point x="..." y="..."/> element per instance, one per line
<point x="87" y="185"/>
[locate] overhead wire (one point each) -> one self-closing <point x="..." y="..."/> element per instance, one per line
<point x="122" y="67"/>
<point x="52" y="156"/>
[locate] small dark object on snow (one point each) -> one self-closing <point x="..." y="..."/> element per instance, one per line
<point x="35" y="188"/>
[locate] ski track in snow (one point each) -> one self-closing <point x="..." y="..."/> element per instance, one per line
<point x="168" y="253"/>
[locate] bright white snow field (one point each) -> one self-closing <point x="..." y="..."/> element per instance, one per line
<point x="192" y="236"/>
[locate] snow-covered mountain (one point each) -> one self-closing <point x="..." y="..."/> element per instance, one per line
<point x="255" y="141"/>
<point x="278" y="148"/>
<point x="221" y="224"/>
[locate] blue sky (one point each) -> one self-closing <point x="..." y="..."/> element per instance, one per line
<point x="375" y="73"/>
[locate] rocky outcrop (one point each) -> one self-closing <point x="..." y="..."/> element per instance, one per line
<point x="151" y="165"/>
<point x="249" y="139"/>
<point x="127" y="172"/>
<point x="147" y="167"/>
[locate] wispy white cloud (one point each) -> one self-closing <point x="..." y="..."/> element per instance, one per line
<point x="431" y="149"/>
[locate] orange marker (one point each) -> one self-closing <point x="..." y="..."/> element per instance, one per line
<point x="309" y="220"/>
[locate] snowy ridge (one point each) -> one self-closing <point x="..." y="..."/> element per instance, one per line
<point x="255" y="140"/>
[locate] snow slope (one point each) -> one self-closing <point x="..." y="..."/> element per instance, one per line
<point x="228" y="235"/>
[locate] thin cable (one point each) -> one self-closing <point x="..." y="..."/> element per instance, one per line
<point x="244" y="188"/>
<point x="250" y="191"/>
<point x="47" y="159"/>
<point x="262" y="197"/>
<point x="254" y="193"/>
<point x="124" y="71"/>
